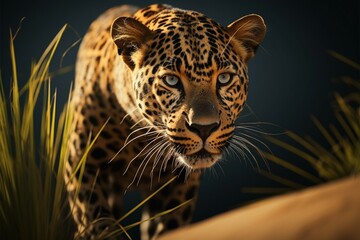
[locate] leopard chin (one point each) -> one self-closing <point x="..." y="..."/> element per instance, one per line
<point x="199" y="160"/>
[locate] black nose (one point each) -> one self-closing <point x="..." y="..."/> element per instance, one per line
<point x="203" y="131"/>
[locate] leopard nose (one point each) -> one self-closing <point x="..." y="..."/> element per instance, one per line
<point x="203" y="117"/>
<point x="203" y="131"/>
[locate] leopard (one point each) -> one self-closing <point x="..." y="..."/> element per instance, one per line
<point x="157" y="92"/>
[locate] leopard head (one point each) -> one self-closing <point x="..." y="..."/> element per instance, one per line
<point x="189" y="76"/>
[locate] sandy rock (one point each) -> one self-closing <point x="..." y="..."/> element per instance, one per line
<point x="329" y="211"/>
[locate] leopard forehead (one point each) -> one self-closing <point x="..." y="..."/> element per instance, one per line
<point x="187" y="42"/>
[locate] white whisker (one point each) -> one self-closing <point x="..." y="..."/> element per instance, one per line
<point x="127" y="143"/>
<point x="147" y="158"/>
<point x="160" y="153"/>
<point x="237" y="150"/>
<point x="256" y="139"/>
<point x="165" y="161"/>
<point x="248" y="135"/>
<point x="244" y="151"/>
<point x="245" y="143"/>
<point x="137" y="130"/>
<point x="142" y="150"/>
<point x="255" y="127"/>
<point x="167" y="157"/>
<point x="138" y="123"/>
<point x="128" y="114"/>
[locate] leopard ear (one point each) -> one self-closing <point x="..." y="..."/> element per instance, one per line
<point x="129" y="35"/>
<point x="249" y="31"/>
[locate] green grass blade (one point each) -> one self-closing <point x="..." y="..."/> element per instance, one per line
<point x="293" y="149"/>
<point x="281" y="180"/>
<point x="292" y="167"/>
<point x="350" y="122"/>
<point x="40" y="74"/>
<point x="39" y="70"/>
<point x="15" y="102"/>
<point x="130" y="226"/>
<point x="324" y="132"/>
<point x="344" y="59"/>
<point x="27" y="174"/>
<point x="335" y="132"/>
<point x="87" y="150"/>
<point x="145" y="200"/>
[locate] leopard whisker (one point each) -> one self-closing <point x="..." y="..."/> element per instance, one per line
<point x="255" y="127"/>
<point x="256" y="140"/>
<point x="251" y="130"/>
<point x="138" y="123"/>
<point x="137" y="130"/>
<point x="225" y="149"/>
<point x="228" y="150"/>
<point x="167" y="157"/>
<point x="133" y="139"/>
<point x="149" y="155"/>
<point x="213" y="171"/>
<point x="160" y="153"/>
<point x="150" y="131"/>
<point x="222" y="170"/>
<point x="145" y="160"/>
<point x="236" y="150"/>
<point x="183" y="168"/>
<point x="245" y="144"/>
<point x="142" y="150"/>
<point x="166" y="160"/>
<point x="240" y="150"/>
<point x="128" y="114"/>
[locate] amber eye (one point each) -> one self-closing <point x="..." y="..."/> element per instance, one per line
<point x="171" y="80"/>
<point x="224" y="78"/>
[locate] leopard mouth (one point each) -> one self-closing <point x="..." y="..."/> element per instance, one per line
<point x="200" y="159"/>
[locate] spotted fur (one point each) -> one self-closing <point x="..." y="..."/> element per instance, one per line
<point x="168" y="84"/>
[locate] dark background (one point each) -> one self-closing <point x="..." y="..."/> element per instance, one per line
<point x="291" y="78"/>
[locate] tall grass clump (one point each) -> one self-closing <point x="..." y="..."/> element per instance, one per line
<point x="33" y="200"/>
<point x="338" y="154"/>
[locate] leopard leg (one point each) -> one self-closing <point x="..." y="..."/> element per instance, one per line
<point x="89" y="205"/>
<point x="170" y="197"/>
<point x="90" y="198"/>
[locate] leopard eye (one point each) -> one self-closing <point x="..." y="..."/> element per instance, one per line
<point x="171" y="80"/>
<point x="224" y="78"/>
